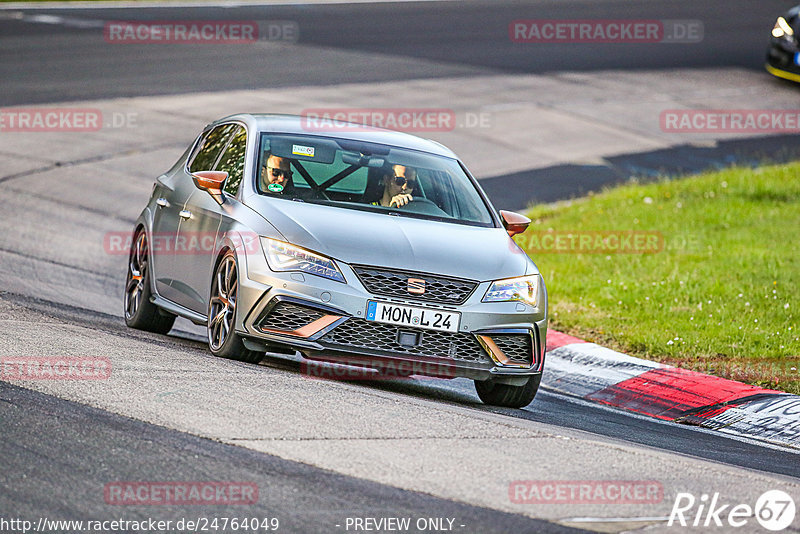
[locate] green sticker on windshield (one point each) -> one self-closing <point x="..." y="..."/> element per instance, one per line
<point x="275" y="188"/>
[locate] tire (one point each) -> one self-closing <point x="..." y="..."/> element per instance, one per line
<point x="495" y="394"/>
<point x="140" y="313"/>
<point x="223" y="341"/>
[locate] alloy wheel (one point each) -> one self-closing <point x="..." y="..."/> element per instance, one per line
<point x="137" y="270"/>
<point x="222" y="308"/>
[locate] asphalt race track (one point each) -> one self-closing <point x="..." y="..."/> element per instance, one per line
<point x="61" y="62"/>
<point x="321" y="452"/>
<point x="125" y="449"/>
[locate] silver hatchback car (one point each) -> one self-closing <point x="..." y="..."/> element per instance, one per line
<point x="351" y="244"/>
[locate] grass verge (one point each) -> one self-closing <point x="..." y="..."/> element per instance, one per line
<point x="701" y="272"/>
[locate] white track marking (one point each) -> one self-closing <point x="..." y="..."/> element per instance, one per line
<point x="71" y="22"/>
<point x="198" y="3"/>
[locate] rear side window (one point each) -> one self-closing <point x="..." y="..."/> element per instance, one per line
<point x="209" y="148"/>
<point x="232" y="161"/>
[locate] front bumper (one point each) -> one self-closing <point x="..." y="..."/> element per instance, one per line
<point x="325" y="320"/>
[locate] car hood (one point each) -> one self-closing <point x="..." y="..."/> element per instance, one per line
<point x="376" y="239"/>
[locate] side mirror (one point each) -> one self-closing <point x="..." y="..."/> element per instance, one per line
<point x="514" y="223"/>
<point x="211" y="182"/>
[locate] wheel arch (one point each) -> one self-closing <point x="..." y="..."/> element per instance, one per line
<point x="233" y="241"/>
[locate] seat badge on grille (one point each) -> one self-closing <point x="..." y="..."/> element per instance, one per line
<point x="416" y="286"/>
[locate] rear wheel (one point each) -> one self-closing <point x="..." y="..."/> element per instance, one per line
<point x="506" y="395"/>
<point x="140" y="313"/>
<point x="222" y="339"/>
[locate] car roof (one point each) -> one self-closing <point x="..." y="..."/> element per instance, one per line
<point x="295" y="124"/>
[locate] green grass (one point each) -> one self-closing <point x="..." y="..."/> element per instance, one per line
<point x="721" y="294"/>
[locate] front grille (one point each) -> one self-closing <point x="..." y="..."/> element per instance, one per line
<point x="288" y="317"/>
<point x="517" y="347"/>
<point x="367" y="335"/>
<point x="394" y="283"/>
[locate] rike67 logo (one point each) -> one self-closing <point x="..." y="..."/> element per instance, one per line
<point x="774" y="510"/>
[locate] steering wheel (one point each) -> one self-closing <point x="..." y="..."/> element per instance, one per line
<point x="426" y="207"/>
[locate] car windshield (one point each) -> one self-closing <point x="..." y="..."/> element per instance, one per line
<point x="367" y="176"/>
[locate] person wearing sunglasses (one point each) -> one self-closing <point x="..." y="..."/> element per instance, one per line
<point x="399" y="183"/>
<point x="276" y="175"/>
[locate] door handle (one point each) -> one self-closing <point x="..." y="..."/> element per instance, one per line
<point x="185" y="214"/>
<point x="162" y="202"/>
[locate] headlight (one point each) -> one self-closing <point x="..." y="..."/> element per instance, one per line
<point x="285" y="257"/>
<point x="524" y="288"/>
<point x="782" y="29"/>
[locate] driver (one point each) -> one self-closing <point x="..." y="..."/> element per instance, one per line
<point x="398" y="183"/>
<point x="276" y="175"/>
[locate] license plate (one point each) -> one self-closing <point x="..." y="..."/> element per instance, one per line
<point x="797" y="58"/>
<point x="384" y="312"/>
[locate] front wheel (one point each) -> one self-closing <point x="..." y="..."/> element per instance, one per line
<point x="490" y="392"/>
<point x="222" y="339"/>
